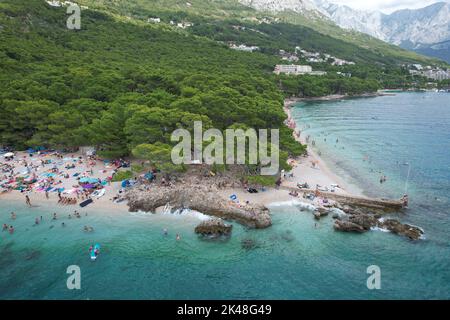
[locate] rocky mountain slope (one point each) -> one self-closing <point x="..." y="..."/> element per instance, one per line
<point x="424" y="30"/>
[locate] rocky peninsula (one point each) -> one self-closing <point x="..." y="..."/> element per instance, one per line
<point x="200" y="197"/>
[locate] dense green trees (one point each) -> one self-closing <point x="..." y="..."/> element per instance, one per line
<point x="314" y="86"/>
<point x="159" y="155"/>
<point x="122" y="87"/>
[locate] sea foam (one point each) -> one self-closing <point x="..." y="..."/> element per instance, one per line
<point x="293" y="203"/>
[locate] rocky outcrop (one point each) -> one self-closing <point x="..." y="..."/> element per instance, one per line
<point x="202" y="198"/>
<point x="412" y="232"/>
<point x="348" y="226"/>
<point x="364" y="222"/>
<point x="214" y="227"/>
<point x="320" y="212"/>
<point x="248" y="244"/>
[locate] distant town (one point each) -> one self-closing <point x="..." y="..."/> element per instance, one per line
<point x="429" y="72"/>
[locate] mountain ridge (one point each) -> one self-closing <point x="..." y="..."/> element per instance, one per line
<point x="411" y="29"/>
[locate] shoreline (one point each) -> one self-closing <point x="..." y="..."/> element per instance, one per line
<point x="310" y="169"/>
<point x="222" y="196"/>
<point x="289" y="102"/>
<point x="329" y="176"/>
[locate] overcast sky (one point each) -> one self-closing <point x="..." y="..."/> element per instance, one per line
<point x="386" y="6"/>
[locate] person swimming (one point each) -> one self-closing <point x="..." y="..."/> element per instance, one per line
<point x="11" y="229"/>
<point x="54" y="216"/>
<point x="13" y="216"/>
<point x="5" y="227"/>
<point x="165" y="232"/>
<point x="36" y="221"/>
<point x="178" y="237"/>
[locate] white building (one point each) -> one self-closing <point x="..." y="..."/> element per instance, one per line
<point x="154" y="20"/>
<point x="435" y="74"/>
<point x="317" y="73"/>
<point x="341" y="62"/>
<point x="243" y="47"/>
<point x="292" y="69"/>
<point x="184" y="25"/>
<point x="54" y="3"/>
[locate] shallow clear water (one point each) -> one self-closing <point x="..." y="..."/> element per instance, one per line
<point x="294" y="258"/>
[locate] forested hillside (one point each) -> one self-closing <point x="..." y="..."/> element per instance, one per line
<point x="120" y="81"/>
<point x="116" y="84"/>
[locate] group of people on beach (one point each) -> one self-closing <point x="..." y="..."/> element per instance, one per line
<point x="67" y="201"/>
<point x="28" y="173"/>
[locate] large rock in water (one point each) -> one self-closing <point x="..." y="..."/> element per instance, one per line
<point x="412" y="232"/>
<point x="202" y="198"/>
<point x="364" y="220"/>
<point x="214" y="227"/>
<point x="348" y="226"/>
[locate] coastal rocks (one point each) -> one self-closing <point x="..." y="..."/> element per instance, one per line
<point x="320" y="212"/>
<point x="412" y="232"/>
<point x="202" y="198"/>
<point x="248" y="244"/>
<point x="348" y="226"/>
<point x="365" y="222"/>
<point x="213" y="228"/>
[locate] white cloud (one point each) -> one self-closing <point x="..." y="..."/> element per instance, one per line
<point x="386" y="6"/>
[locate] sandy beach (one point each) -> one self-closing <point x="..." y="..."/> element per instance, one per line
<point x="318" y="174"/>
<point x="310" y="169"/>
<point x="303" y="171"/>
<point x="66" y="180"/>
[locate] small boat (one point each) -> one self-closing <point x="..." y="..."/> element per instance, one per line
<point x="101" y="193"/>
<point x="95" y="252"/>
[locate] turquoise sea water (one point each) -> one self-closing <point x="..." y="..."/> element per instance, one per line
<point x="292" y="259"/>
